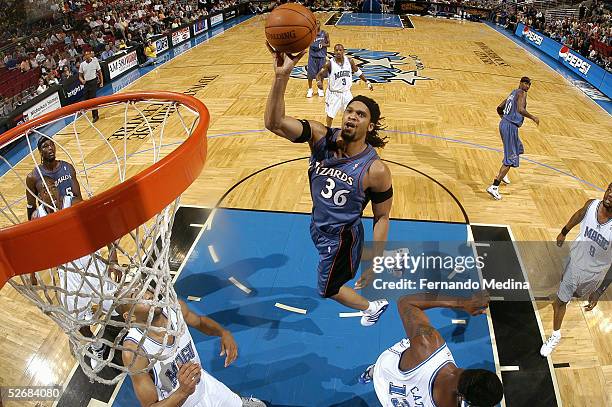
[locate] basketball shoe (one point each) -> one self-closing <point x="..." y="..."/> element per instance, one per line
<point x="550" y="344"/>
<point x="494" y="192"/>
<point x="309" y="93"/>
<point x="252" y="402"/>
<point x="374" y="312"/>
<point x="367" y="375"/>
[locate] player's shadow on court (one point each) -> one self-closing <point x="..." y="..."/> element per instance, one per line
<point x="206" y="282"/>
<point x="263" y="313"/>
<point x="309" y="374"/>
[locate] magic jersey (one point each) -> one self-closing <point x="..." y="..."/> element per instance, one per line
<point x="511" y="109"/>
<point x="591" y="250"/>
<point x="336" y="184"/>
<point x="412" y="388"/>
<point x="341" y="76"/>
<point x="209" y="392"/>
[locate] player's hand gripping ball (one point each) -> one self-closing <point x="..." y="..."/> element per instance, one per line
<point x="291" y="28"/>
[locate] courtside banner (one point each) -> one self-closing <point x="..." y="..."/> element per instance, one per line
<point x="122" y="64"/>
<point x="200" y="26"/>
<point x="228" y="15"/>
<point x="216" y="20"/>
<point x="588" y="70"/>
<point x="162" y="44"/>
<point x="180" y="35"/>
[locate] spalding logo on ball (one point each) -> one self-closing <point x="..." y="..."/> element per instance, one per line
<point x="291" y="28"/>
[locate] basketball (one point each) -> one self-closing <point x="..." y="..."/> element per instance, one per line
<point x="291" y="28"/>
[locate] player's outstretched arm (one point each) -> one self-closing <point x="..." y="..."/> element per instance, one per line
<point x="416" y="322"/>
<point x="145" y="388"/>
<point x="229" y="348"/>
<point x="522" y="107"/>
<point x="274" y="117"/>
<point x="574" y="220"/>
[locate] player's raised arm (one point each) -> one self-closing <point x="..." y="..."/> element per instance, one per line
<point x="275" y="119"/>
<point x="574" y="220"/>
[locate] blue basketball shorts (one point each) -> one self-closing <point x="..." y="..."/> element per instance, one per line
<point x="314" y="66"/>
<point x="513" y="147"/>
<point x="339" y="257"/>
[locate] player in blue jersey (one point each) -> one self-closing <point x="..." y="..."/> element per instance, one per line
<point x="62" y="173"/>
<point x="512" y="111"/>
<point x="345" y="173"/>
<point x="317" y="56"/>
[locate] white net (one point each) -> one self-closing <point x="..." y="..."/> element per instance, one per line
<point x="90" y="296"/>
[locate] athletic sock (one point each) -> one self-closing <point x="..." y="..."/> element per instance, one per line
<point x="496" y="182"/>
<point x="557" y="333"/>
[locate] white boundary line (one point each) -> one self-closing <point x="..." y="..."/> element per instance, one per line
<point x="537" y="315"/>
<point x="488" y="313"/>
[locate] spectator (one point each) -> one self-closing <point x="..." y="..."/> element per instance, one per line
<point x="107" y="53"/>
<point x="150" y="52"/>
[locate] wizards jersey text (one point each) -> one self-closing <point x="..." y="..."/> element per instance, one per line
<point x="336" y="184"/>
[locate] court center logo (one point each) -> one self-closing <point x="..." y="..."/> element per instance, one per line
<point x="378" y="66"/>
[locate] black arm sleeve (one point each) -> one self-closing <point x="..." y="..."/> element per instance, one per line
<point x="378" y="197"/>
<point x="306" y="132"/>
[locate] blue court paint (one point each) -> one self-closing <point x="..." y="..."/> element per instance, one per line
<point x="290" y="359"/>
<point x="568" y="75"/>
<point x="370" y="20"/>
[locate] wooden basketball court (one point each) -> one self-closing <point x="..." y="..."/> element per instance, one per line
<point x="444" y="125"/>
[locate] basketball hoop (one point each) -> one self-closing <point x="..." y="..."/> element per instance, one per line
<point x="98" y="258"/>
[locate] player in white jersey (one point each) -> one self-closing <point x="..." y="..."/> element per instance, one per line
<point x="589" y="269"/>
<point x="178" y="380"/>
<point x="420" y="369"/>
<point x="339" y="71"/>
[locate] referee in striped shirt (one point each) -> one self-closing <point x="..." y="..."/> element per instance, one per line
<point x="90" y="75"/>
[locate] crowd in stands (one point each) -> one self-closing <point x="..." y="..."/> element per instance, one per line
<point x="54" y="48"/>
<point x="589" y="34"/>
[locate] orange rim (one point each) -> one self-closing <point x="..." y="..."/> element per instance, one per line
<point x="74" y="232"/>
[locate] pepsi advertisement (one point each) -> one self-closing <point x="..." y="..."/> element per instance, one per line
<point x="588" y="70"/>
